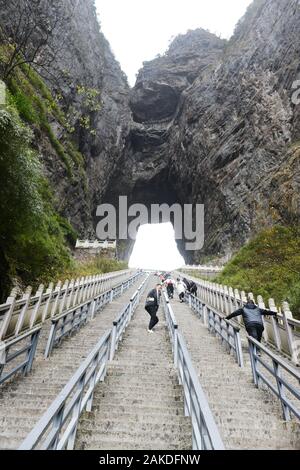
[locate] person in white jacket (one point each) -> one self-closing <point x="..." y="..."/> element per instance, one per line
<point x="180" y="287"/>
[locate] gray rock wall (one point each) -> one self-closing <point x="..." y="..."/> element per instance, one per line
<point x="211" y="122"/>
<point x="215" y="124"/>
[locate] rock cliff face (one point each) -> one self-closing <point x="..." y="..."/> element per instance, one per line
<point x="87" y="65"/>
<point x="209" y="122"/>
<point x="92" y="91"/>
<point x="215" y="123"/>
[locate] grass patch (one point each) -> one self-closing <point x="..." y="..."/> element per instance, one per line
<point x="196" y="273"/>
<point x="23" y="104"/>
<point x="34" y="238"/>
<point x="98" y="265"/>
<point x="35" y="104"/>
<point x="269" y="265"/>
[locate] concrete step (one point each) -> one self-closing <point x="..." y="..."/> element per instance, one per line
<point x="138" y="389"/>
<point x="253" y="405"/>
<point x="97" y="426"/>
<point x="110" y="443"/>
<point x="248" y="418"/>
<point x="164" y="435"/>
<point x="231" y="396"/>
<point x="230" y="416"/>
<point x="147" y="370"/>
<point x="113" y="398"/>
<point x="149" y="381"/>
<point x="140" y="413"/>
<point x="28" y="398"/>
<point x="140" y="405"/>
<point x="254" y="444"/>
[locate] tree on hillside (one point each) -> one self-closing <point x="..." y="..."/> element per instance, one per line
<point x="30" y="31"/>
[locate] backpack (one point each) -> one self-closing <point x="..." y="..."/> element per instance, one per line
<point x="150" y="300"/>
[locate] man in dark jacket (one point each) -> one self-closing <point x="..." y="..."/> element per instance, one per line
<point x="252" y="316"/>
<point x="193" y="288"/>
<point x="187" y="283"/>
<point x="152" y="304"/>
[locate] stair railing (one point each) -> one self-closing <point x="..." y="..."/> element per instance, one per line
<point x="205" y="435"/>
<point x="121" y="323"/>
<point x="57" y="428"/>
<point x="282" y="332"/>
<point x="22" y="320"/>
<point x="72" y="320"/>
<point x="278" y="370"/>
<point x="225" y="330"/>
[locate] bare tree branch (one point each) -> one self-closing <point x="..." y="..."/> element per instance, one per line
<point x="29" y="33"/>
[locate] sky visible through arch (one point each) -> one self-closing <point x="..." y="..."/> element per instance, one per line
<point x="156" y="248"/>
<point x="138" y="30"/>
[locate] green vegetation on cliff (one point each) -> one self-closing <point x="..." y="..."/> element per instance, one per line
<point x="33" y="236"/>
<point x="34" y="239"/>
<point x="269" y="265"/>
<point x="36" y="106"/>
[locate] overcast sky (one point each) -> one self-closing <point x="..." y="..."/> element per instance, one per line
<point x="138" y="30"/>
<point x="155" y="248"/>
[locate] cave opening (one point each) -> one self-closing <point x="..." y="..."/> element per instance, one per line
<point x="156" y="248"/>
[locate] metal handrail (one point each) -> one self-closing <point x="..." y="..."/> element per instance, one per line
<point x="121" y="323"/>
<point x="226" y="330"/>
<point x="65" y="288"/>
<point x="205" y="435"/>
<point x="71" y="320"/>
<point x="26" y="354"/>
<point x="278" y="365"/>
<point x="283" y="333"/>
<point x="70" y="403"/>
<point x="59" y="423"/>
<point x="172" y="325"/>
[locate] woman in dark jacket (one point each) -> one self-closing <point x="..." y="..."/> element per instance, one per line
<point x="151" y="306"/>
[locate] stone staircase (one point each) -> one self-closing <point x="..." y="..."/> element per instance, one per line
<point x="140" y="405"/>
<point x="25" y="399"/>
<point x="247" y="417"/>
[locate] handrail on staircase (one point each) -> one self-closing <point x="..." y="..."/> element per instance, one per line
<point x="224" y="329"/>
<point x="71" y="320"/>
<point x="206" y="435"/>
<point x="57" y="428"/>
<point x="275" y="369"/>
<point x="22" y="320"/>
<point x="121" y="323"/>
<point x="283" y="332"/>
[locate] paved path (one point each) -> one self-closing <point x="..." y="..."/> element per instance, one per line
<point x="140" y="405"/>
